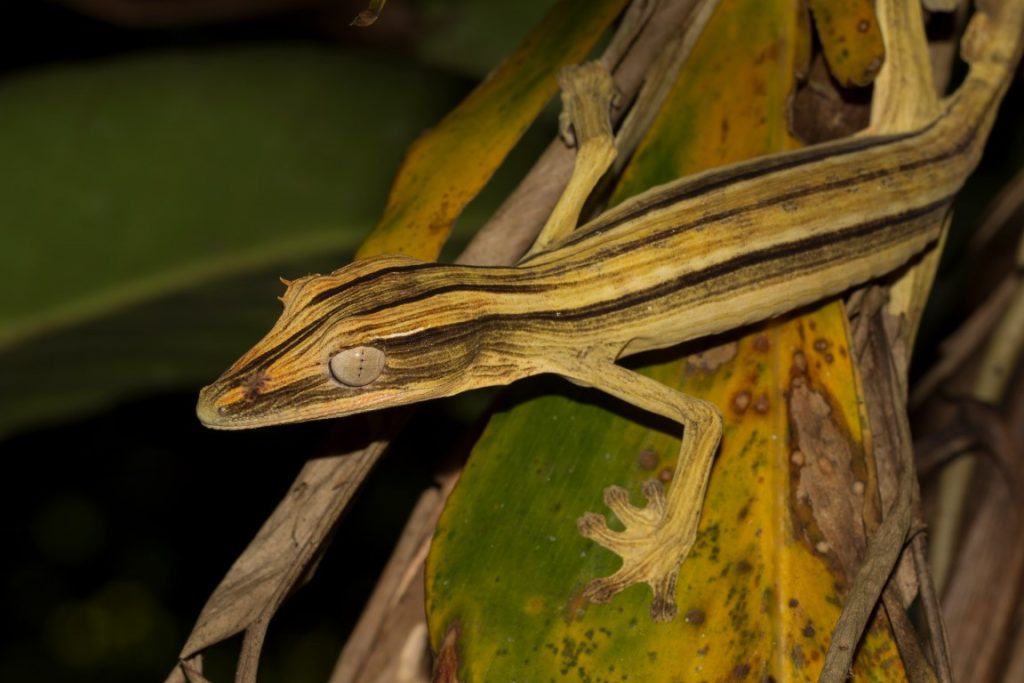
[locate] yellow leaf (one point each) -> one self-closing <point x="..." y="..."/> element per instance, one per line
<point x="447" y="166"/>
<point x="850" y="39"/>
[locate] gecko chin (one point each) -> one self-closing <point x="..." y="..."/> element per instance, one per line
<point x="215" y="412"/>
<point x="234" y="402"/>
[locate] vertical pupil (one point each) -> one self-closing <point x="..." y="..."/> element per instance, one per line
<point x="357" y="366"/>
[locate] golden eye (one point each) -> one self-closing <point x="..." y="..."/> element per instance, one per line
<point x="358" y="366"/>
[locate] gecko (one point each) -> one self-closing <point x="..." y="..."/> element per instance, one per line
<point x="694" y="257"/>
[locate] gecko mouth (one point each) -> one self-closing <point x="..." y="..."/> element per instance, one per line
<point x="208" y="411"/>
<point x="250" y="400"/>
<point x="227" y="403"/>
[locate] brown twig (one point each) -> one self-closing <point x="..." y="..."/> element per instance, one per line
<point x="252" y="647"/>
<point x="885" y="396"/>
<point x="932" y="610"/>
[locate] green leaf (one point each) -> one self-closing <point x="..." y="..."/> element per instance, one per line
<point x="470" y="37"/>
<point x="137" y="176"/>
<point x="137" y="179"/>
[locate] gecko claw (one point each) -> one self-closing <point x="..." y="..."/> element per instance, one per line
<point x="600" y="591"/>
<point x="663" y="604"/>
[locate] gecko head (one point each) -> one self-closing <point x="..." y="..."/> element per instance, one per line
<point x="378" y="333"/>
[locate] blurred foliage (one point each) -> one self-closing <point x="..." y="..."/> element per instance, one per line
<point x="134" y="177"/>
<point x="155" y="183"/>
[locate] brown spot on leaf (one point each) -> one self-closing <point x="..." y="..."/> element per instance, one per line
<point x="826" y="478"/>
<point x="711" y="359"/>
<point x="666" y="474"/>
<point x="821" y="345"/>
<point x="808" y="630"/>
<point x="740" y="401"/>
<point x="793" y="602"/>
<point x="863" y="25"/>
<point x="695" y="617"/>
<point x="741" y="671"/>
<point x="647" y="459"/>
<point x="446" y="669"/>
<point x="743" y="567"/>
<point x="761" y="405"/>
<point x="761" y="343"/>
<point x="800" y="362"/>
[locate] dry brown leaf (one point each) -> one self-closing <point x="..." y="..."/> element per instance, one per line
<point x="885" y="398"/>
<point x="823" y="111"/>
<point x="987" y="569"/>
<point x="393" y="616"/>
<point x="188" y="671"/>
<point x="283" y="549"/>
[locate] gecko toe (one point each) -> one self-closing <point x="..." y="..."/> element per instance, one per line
<point x="653" y="490"/>
<point x="616" y="496"/>
<point x="593" y="526"/>
<point x="663" y="605"/>
<point x="601" y="591"/>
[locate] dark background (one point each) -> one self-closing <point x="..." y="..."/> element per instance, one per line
<point x="120" y="518"/>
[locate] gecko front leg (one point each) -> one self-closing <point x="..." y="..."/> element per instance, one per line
<point x="657" y="537"/>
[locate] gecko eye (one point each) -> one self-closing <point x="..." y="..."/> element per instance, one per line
<point x="357" y="367"/>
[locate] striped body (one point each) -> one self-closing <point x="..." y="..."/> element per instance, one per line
<point x="694" y="257"/>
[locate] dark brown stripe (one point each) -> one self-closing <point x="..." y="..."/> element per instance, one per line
<point x="715" y="180"/>
<point x="667" y="233"/>
<point x="780" y="252"/>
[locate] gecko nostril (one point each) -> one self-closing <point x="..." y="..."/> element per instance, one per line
<point x="254" y="384"/>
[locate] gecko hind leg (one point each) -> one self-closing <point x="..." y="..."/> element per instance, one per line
<point x="657" y="537"/>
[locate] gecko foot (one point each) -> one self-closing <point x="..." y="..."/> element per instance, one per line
<point x="652" y="546"/>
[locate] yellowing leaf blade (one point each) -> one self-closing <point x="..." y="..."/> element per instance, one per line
<point x="850" y="39"/>
<point x="448" y="165"/>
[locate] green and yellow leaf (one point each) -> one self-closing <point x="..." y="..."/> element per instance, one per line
<point x="447" y="166"/>
<point x="763" y="587"/>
